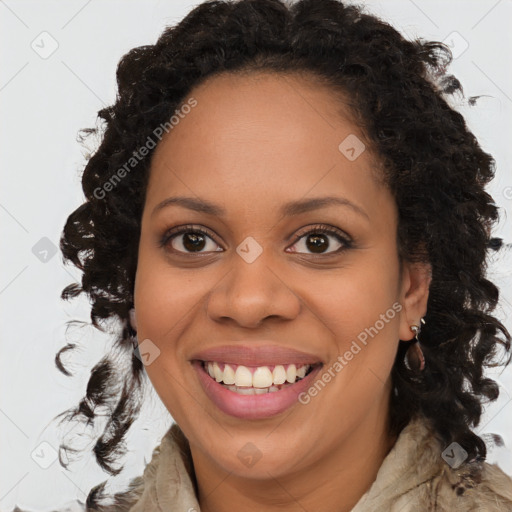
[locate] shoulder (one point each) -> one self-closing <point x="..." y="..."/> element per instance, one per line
<point x="459" y="486"/>
<point x="125" y="500"/>
<point x="415" y="476"/>
<point x="167" y="482"/>
<point x="475" y="485"/>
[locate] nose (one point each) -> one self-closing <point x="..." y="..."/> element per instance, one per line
<point x="252" y="292"/>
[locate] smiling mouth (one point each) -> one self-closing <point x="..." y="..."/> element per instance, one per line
<point x="256" y="380"/>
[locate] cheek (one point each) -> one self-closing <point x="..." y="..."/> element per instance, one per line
<point x="165" y="297"/>
<point x="165" y="302"/>
<point x="360" y="308"/>
<point x="352" y="298"/>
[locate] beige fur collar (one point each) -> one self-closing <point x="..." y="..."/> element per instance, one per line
<point x="413" y="478"/>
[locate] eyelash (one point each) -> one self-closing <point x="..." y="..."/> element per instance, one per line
<point x="318" y="229"/>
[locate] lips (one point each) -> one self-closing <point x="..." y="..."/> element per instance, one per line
<point x="253" y="355"/>
<point x="260" y="405"/>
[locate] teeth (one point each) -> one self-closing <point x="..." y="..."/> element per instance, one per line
<point x="262" y="378"/>
<point x="254" y="391"/>
<point x="291" y="373"/>
<point x="301" y="372"/>
<point x="243" y="376"/>
<point x="245" y="391"/>
<point x="229" y="375"/>
<point x="217" y="372"/>
<point x="279" y="374"/>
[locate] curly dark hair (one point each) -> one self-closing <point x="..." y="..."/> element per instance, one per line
<point x="398" y="92"/>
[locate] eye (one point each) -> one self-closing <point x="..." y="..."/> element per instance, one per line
<point x="316" y="239"/>
<point x="191" y="239"/>
<point x="188" y="240"/>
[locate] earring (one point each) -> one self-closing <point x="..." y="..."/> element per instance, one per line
<point x="414" y="358"/>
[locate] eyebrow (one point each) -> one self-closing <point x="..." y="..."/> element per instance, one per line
<point x="287" y="210"/>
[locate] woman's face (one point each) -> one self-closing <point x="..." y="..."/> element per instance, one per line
<point x="256" y="294"/>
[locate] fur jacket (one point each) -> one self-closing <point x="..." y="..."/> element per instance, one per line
<point x="412" y="478"/>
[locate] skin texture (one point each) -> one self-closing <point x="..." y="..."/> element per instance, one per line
<point x="251" y="144"/>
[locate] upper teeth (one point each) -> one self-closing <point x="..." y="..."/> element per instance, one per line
<point x="259" y="377"/>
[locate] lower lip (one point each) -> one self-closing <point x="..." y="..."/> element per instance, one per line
<point x="252" y="407"/>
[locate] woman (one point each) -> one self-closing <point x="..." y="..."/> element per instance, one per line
<point x="292" y="224"/>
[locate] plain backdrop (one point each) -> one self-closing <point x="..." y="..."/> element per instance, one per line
<point x="58" y="62"/>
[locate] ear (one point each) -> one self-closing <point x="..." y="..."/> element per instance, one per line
<point x="416" y="278"/>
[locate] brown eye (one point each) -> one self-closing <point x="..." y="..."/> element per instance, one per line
<point x="189" y="240"/>
<point x="321" y="240"/>
<point x="318" y="241"/>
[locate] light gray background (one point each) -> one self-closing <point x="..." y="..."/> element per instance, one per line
<point x="45" y="101"/>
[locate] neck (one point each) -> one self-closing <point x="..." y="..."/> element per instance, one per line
<point x="336" y="482"/>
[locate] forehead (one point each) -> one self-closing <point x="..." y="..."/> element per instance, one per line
<point x="265" y="136"/>
<point x="274" y="108"/>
